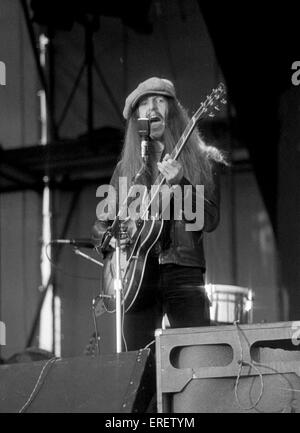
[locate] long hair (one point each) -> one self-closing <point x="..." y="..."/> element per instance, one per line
<point x="197" y="158"/>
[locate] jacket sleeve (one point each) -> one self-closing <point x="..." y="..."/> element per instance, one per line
<point x="211" y="203"/>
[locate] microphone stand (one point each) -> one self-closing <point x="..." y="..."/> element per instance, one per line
<point x="144" y="133"/>
<point x="115" y="230"/>
<point x="94" y="302"/>
<point x="118" y="294"/>
<point x="86" y="256"/>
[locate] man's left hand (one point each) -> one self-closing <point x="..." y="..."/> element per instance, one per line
<point x="171" y="169"/>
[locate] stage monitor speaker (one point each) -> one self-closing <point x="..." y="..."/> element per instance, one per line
<point x="119" y="383"/>
<point x="230" y="368"/>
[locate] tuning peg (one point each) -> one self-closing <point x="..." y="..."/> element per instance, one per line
<point x="211" y="115"/>
<point x="216" y="108"/>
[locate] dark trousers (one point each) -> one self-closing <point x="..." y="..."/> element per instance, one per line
<point x="177" y="291"/>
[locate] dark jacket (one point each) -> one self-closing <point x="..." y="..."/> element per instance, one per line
<point x="176" y="244"/>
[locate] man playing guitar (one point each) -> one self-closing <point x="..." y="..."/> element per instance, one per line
<point x="173" y="277"/>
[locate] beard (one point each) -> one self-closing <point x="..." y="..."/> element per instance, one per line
<point x="157" y="129"/>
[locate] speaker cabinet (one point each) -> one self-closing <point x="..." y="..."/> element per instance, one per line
<point x="122" y="382"/>
<point x="244" y="368"/>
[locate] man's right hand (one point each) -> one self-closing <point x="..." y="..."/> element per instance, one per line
<point x="125" y="239"/>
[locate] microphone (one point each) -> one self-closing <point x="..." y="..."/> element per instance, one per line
<point x="144" y="132"/>
<point x="83" y="242"/>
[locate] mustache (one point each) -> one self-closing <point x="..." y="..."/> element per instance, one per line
<point x="154" y="117"/>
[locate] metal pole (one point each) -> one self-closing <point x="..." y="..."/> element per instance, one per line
<point x="46" y="206"/>
<point x="37" y="58"/>
<point x="89" y="50"/>
<point x="118" y="294"/>
<point x="49" y="282"/>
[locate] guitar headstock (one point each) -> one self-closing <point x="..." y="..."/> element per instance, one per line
<point x="212" y="103"/>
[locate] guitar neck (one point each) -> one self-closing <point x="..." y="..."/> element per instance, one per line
<point x="206" y="108"/>
<point x="181" y="143"/>
<point x="183" y="139"/>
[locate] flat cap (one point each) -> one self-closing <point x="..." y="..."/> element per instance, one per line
<point x="159" y="86"/>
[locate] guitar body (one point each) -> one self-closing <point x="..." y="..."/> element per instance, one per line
<point x="132" y="265"/>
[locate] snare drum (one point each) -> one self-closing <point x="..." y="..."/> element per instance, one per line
<point x="230" y="303"/>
